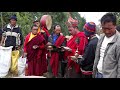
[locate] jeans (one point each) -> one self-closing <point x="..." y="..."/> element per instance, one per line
<point x="99" y="75"/>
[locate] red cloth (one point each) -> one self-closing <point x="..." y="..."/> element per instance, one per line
<point x="54" y="61"/>
<point x="72" y="22"/>
<point x="46" y="31"/>
<point x="73" y="45"/>
<point x="37" y="65"/>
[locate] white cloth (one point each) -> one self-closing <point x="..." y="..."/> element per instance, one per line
<point x="102" y="51"/>
<point x="5" y="60"/>
<point x="21" y="66"/>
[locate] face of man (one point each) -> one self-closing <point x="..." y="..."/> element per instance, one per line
<point x="108" y="29"/>
<point x="35" y="30"/>
<point x="57" y="29"/>
<point x="72" y="30"/>
<point x="37" y="23"/>
<point x="13" y="22"/>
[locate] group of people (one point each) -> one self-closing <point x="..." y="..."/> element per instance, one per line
<point x="80" y="55"/>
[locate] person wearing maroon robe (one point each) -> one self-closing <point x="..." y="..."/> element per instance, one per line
<point x="34" y="47"/>
<point x="55" y="59"/>
<point x="45" y="34"/>
<point x="75" y="47"/>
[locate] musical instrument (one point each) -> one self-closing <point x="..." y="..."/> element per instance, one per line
<point x="46" y="21"/>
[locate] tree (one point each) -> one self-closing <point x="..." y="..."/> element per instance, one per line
<point x="25" y="19"/>
<point x="81" y="20"/>
<point x="118" y="17"/>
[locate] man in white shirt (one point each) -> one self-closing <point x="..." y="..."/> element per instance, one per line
<point x="107" y="58"/>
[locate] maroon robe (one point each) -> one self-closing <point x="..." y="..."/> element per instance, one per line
<point x="37" y="64"/>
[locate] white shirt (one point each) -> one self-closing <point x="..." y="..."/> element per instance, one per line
<point x="102" y="51"/>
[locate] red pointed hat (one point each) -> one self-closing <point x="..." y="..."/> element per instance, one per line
<point x="72" y="22"/>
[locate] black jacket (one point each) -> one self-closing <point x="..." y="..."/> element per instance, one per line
<point x="86" y="63"/>
<point x="13" y="36"/>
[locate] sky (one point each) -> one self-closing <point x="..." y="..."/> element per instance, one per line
<point x="92" y="16"/>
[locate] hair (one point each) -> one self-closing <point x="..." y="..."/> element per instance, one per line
<point x="35" y="21"/>
<point x="118" y="28"/>
<point x="34" y="25"/>
<point x="76" y="27"/>
<point x="109" y="17"/>
<point x="13" y="17"/>
<point x="55" y="26"/>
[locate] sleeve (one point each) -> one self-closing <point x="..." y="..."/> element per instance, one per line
<point x="50" y="39"/>
<point x="88" y="57"/>
<point x="96" y="59"/>
<point x="25" y="42"/>
<point x="21" y="37"/>
<point x="4" y="32"/>
<point x="45" y="36"/>
<point x="118" y="75"/>
<point x="118" y="57"/>
<point x="73" y="51"/>
<point x="82" y="45"/>
<point x="42" y="46"/>
<point x="64" y="43"/>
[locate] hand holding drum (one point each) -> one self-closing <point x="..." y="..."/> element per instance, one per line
<point x="46" y="22"/>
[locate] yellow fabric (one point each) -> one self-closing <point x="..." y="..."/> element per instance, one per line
<point x="32" y="36"/>
<point x="39" y="30"/>
<point x="14" y="62"/>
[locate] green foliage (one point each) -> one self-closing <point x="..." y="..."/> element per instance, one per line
<point x="118" y="17"/>
<point x="81" y="20"/>
<point x="25" y="19"/>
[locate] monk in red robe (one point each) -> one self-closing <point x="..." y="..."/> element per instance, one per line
<point x="45" y="34"/>
<point x="42" y="30"/>
<point x="56" y="40"/>
<point x="34" y="47"/>
<point x="75" y="47"/>
<point x="36" y="22"/>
